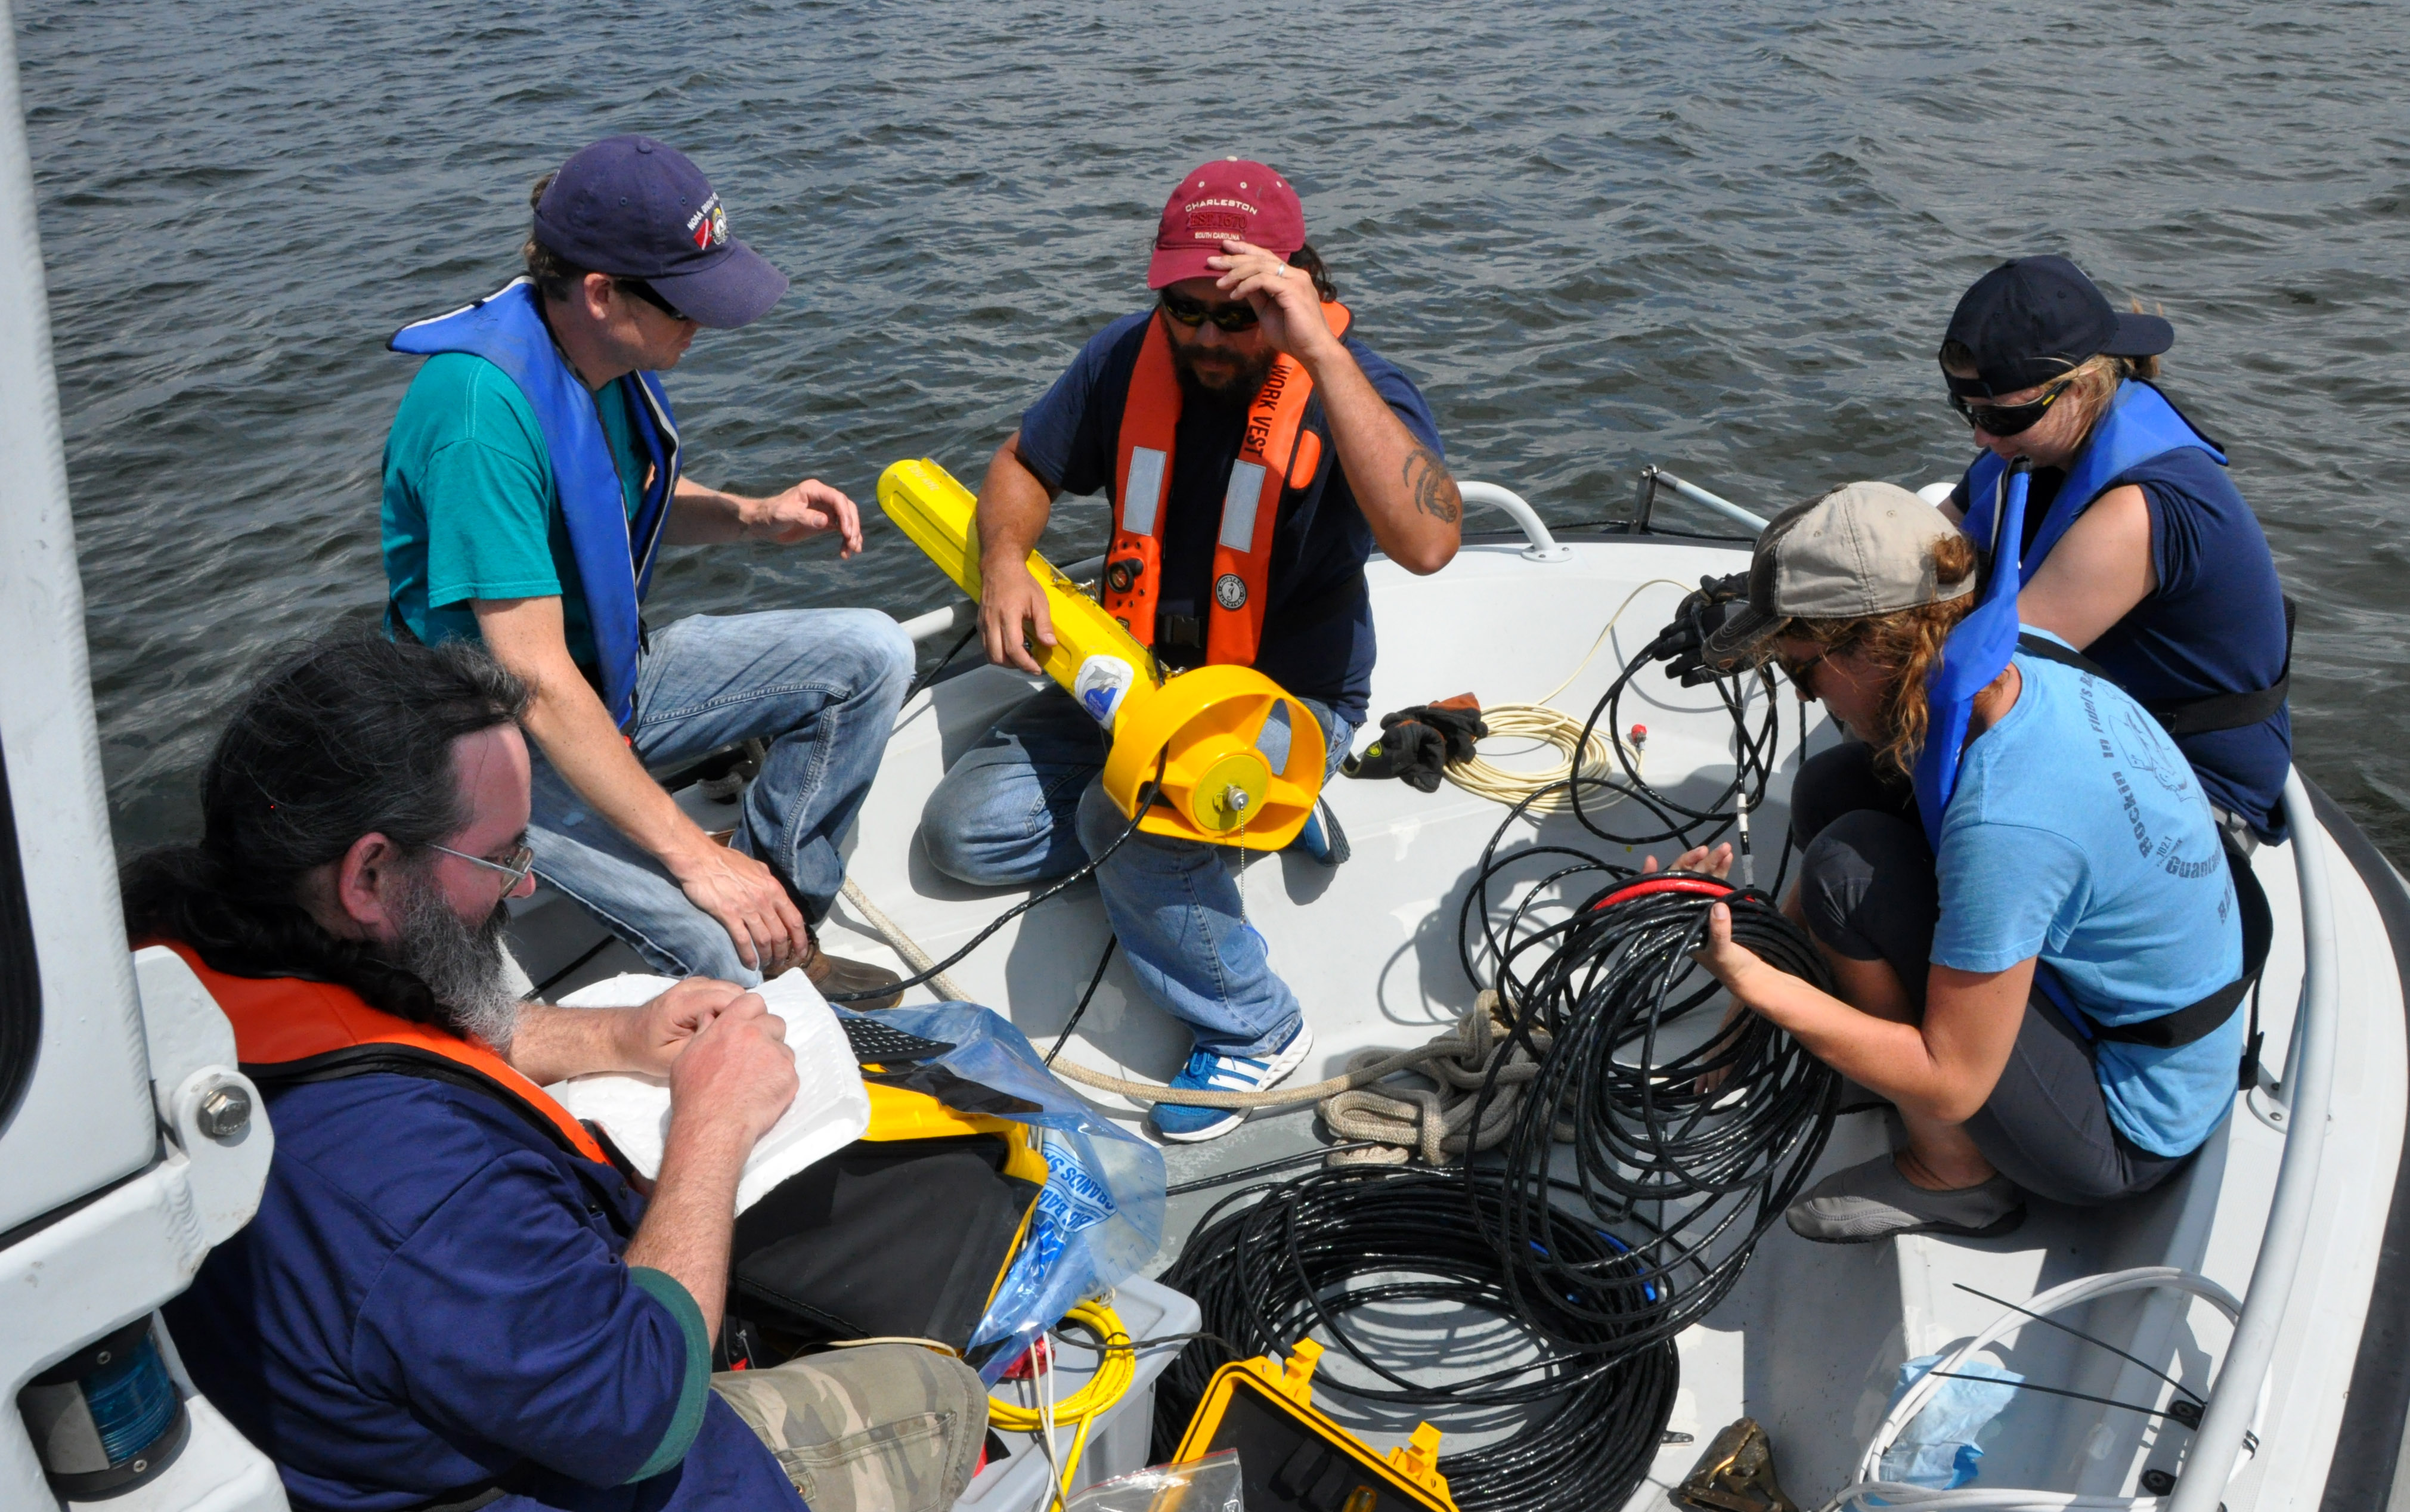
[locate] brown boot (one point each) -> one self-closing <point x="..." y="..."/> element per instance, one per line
<point x="836" y="974"/>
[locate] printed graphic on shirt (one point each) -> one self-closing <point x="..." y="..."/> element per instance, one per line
<point x="2129" y="735"/>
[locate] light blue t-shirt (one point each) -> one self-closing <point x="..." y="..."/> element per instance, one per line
<point x="2078" y="835"/>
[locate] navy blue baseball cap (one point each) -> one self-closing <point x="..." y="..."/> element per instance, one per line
<point x="2032" y="319"/>
<point x="635" y="208"/>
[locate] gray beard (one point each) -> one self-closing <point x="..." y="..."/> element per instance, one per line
<point x="460" y="964"/>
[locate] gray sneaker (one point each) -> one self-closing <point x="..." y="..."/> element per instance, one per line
<point x="1873" y="1200"/>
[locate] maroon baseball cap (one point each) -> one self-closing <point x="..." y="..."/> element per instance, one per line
<point x="1229" y="200"/>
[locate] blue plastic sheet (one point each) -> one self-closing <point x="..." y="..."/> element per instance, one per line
<point x="1100" y="1216"/>
<point x="1938" y="1448"/>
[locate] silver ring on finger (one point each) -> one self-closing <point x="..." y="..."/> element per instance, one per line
<point x="1281" y="271"/>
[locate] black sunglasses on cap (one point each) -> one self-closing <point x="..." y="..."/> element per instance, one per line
<point x="651" y="295"/>
<point x="2008" y="419"/>
<point x="1194" y="313"/>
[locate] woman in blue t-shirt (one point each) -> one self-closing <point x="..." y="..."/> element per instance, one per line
<point x="2138" y="551"/>
<point x="1989" y="984"/>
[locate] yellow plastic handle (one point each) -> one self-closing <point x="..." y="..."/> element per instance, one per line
<point x="1242" y="760"/>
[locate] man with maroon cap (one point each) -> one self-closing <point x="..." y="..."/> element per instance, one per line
<point x="530" y="477"/>
<point x="1257" y="453"/>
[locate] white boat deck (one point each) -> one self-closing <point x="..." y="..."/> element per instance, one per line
<point x="1812" y="1340"/>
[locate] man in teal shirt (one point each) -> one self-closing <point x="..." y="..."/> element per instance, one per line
<point x="530" y="477"/>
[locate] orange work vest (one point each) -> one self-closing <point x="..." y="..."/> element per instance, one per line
<point x="1276" y="452"/>
<point x="288" y="1029"/>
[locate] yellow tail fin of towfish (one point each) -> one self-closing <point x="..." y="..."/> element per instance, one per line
<point x="1242" y="760"/>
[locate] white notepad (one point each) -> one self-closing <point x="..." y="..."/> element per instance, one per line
<point x="830" y="1112"/>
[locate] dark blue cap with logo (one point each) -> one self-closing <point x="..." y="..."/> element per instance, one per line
<point x="635" y="208"/>
<point x="2031" y="319"/>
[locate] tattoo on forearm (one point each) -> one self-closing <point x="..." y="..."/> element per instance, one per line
<point x="1427" y="480"/>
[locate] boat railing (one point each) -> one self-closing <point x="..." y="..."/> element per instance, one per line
<point x="1538" y="544"/>
<point x="2305" y="1090"/>
<point x="1644" y="500"/>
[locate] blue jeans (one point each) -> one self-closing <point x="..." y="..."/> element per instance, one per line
<point x="1026" y="805"/>
<point x="819" y="685"/>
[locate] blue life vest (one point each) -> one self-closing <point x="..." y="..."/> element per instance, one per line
<point x="2140" y="423"/>
<point x="614" y="553"/>
<point x="1976" y="652"/>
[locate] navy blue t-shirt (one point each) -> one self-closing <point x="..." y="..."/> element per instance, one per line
<point x="2214" y="625"/>
<point x="1317" y="639"/>
<point x="432" y="1293"/>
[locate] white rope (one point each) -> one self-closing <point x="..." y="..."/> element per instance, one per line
<point x="1437" y="1124"/>
<point x="917" y="959"/>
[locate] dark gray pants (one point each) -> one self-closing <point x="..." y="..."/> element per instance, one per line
<point x="1870" y="894"/>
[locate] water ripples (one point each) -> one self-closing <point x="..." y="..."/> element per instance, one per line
<point x="1719" y="238"/>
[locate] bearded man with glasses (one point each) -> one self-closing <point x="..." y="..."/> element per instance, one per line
<point x="1256" y="452"/>
<point x="532" y="476"/>
<point x="453" y="1293"/>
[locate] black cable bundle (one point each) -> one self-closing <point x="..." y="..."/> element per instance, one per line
<point x="1753" y="757"/>
<point x="1691" y="1177"/>
<point x="1267" y="1275"/>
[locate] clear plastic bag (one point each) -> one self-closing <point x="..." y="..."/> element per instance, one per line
<point x="1210" y="1485"/>
<point x="1100" y="1216"/>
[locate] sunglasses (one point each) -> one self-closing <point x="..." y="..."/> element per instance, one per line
<point x="1802" y="674"/>
<point x="522" y="862"/>
<point x="1194" y="313"/>
<point x="651" y="295"/>
<point x="2008" y="419"/>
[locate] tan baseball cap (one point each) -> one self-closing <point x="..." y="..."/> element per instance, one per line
<point x="1866" y="548"/>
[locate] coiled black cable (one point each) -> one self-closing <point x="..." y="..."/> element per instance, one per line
<point x="1686" y="1155"/>
<point x="1311" y="1252"/>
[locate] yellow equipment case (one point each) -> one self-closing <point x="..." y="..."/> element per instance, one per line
<point x="1294" y="1459"/>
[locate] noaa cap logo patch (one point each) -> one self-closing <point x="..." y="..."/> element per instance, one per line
<point x="1230" y="591"/>
<point x="708" y="225"/>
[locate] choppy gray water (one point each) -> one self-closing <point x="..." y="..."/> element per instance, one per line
<point x="1723" y="238"/>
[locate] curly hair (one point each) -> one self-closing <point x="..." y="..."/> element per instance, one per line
<point x="1306" y="259"/>
<point x="346" y="736"/>
<point x="1903" y="644"/>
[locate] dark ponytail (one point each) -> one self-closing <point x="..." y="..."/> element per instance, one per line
<point x="348" y="736"/>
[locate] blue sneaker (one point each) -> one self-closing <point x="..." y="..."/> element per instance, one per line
<point x="1209" y="1072"/>
<point x="1322" y="839"/>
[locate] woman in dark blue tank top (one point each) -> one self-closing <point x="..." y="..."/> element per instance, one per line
<point x="2153" y="565"/>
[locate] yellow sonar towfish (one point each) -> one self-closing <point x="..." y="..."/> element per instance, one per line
<point x="1242" y="760"/>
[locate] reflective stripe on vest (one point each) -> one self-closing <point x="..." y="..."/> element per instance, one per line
<point x="1275" y="453"/>
<point x="288" y="1029"/>
<point x="614" y="554"/>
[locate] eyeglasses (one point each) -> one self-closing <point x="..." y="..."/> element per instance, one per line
<point x="521" y="863"/>
<point x="1194" y="313"/>
<point x="1802" y="676"/>
<point x="651" y="295"/>
<point x="2006" y="419"/>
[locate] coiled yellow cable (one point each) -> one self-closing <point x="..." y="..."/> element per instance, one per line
<point x="1542" y="721"/>
<point x="1116" y="1371"/>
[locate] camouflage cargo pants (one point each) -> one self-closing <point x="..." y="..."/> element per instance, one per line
<point x="885" y="1428"/>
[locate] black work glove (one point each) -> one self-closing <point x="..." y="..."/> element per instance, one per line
<point x="1683" y="642"/>
<point x="1418" y="743"/>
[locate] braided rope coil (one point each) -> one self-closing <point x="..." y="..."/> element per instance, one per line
<point x="1436" y="1124"/>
